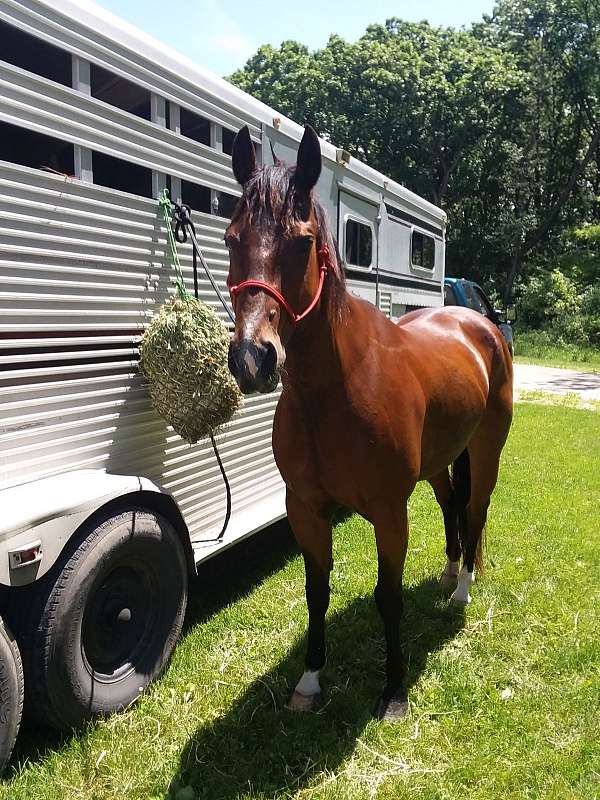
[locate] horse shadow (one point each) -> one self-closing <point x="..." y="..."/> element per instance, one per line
<point x="260" y="747"/>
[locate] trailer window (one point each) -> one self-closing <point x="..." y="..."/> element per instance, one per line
<point x="422" y="250"/>
<point x="194" y="126"/>
<point x="195" y="196"/>
<point x="121" y="175"/>
<point x="119" y="92"/>
<point x="31" y="149"/>
<point x="34" y="55"/>
<point x="224" y="204"/>
<point x="359" y="244"/>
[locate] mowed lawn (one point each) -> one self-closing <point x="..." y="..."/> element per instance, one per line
<point x="504" y="700"/>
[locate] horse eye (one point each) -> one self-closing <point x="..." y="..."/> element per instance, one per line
<point x="305" y="242"/>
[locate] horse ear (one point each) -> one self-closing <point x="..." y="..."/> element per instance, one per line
<point x="308" y="164"/>
<point x="243" y="157"/>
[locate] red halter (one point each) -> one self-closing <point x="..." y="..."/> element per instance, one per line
<point x="324" y="257"/>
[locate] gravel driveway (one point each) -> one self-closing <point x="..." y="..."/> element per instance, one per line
<point x="561" y="381"/>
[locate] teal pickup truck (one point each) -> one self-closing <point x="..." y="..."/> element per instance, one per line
<point x="461" y="292"/>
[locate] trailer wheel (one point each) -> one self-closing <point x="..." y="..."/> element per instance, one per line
<point x="11" y="694"/>
<point x="104" y="625"/>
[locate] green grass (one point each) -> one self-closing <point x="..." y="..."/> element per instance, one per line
<point x="504" y="699"/>
<point x="535" y="347"/>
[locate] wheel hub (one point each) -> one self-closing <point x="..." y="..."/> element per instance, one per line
<point x="117" y="621"/>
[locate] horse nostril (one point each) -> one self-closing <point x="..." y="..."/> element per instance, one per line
<point x="232" y="361"/>
<point x="269" y="362"/>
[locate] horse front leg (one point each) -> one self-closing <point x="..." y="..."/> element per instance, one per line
<point x="313" y="534"/>
<point x="391" y="533"/>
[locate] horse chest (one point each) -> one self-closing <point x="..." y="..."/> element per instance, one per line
<point x="326" y="453"/>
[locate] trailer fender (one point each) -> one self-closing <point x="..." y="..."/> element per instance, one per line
<point x="38" y="518"/>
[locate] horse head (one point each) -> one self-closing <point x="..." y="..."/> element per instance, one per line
<point x="279" y="256"/>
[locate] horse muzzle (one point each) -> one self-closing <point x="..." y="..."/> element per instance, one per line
<point x="254" y="365"/>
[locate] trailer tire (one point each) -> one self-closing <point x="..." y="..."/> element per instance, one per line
<point x="11" y="694"/>
<point x="104" y="624"/>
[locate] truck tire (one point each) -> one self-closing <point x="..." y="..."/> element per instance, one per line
<point x="11" y="694"/>
<point x="102" y="623"/>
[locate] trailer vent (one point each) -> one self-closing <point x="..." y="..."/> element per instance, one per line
<point x="385" y="303"/>
<point x="34" y="55"/>
<point x="32" y="149"/>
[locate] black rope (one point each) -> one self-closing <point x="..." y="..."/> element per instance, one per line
<point x="227" y="489"/>
<point x="183" y="225"/>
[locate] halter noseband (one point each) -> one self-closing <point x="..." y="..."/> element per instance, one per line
<point x="324" y="257"/>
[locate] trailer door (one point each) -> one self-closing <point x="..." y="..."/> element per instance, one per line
<point x="357" y="234"/>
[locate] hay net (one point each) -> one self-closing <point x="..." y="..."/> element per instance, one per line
<point x="183" y="355"/>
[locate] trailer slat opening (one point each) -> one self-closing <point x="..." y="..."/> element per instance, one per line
<point x="34" y="55"/>
<point x="121" y="175"/>
<point x="119" y="92"/>
<point x="31" y="149"/>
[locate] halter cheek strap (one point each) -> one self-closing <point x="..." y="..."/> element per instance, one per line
<point x="324" y="257"/>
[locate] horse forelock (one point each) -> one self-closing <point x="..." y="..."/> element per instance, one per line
<point x="271" y="199"/>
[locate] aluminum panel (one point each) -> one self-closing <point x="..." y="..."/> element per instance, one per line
<point x="82" y="271"/>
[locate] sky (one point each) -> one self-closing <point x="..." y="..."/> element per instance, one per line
<point x="222" y="34"/>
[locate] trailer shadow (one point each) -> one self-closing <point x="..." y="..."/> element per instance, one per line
<point x="259" y="747"/>
<point x="235" y="573"/>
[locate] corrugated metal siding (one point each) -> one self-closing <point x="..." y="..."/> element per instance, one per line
<point x="55" y="110"/>
<point x="82" y="270"/>
<point x="65" y="32"/>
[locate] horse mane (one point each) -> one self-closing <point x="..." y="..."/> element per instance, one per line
<point x="270" y="199"/>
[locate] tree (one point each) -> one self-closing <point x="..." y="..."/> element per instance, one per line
<point x="499" y="125"/>
<point x="549" y="174"/>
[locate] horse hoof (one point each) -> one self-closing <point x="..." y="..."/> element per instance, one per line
<point x="304" y="702"/>
<point x="448" y="582"/>
<point x="459" y="600"/>
<point x="393" y="709"/>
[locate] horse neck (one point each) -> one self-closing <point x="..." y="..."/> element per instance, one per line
<point x="314" y="357"/>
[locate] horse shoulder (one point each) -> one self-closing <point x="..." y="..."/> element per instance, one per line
<point x="292" y="447"/>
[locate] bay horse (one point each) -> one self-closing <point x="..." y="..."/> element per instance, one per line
<point x="368" y="407"/>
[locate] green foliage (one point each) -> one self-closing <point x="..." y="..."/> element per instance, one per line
<point x="548" y="299"/>
<point x="555" y="303"/>
<point x="541" y="347"/>
<point x="590" y="309"/>
<point x="499" y="124"/>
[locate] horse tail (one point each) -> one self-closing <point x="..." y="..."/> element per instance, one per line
<point x="461" y="483"/>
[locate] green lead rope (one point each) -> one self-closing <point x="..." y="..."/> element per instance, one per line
<point x="165" y="203"/>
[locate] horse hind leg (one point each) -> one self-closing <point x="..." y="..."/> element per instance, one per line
<point x="476" y="472"/>
<point x="475" y="476"/>
<point x="446" y="498"/>
<point x="391" y="534"/>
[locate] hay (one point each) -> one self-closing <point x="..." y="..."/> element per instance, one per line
<point x="183" y="354"/>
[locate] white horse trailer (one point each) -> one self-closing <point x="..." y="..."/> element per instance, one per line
<point x="104" y="510"/>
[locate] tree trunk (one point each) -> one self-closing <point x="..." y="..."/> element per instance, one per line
<point x="515" y="266"/>
<point x="536" y="236"/>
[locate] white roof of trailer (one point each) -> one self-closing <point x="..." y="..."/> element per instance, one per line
<point x="100" y="21"/>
